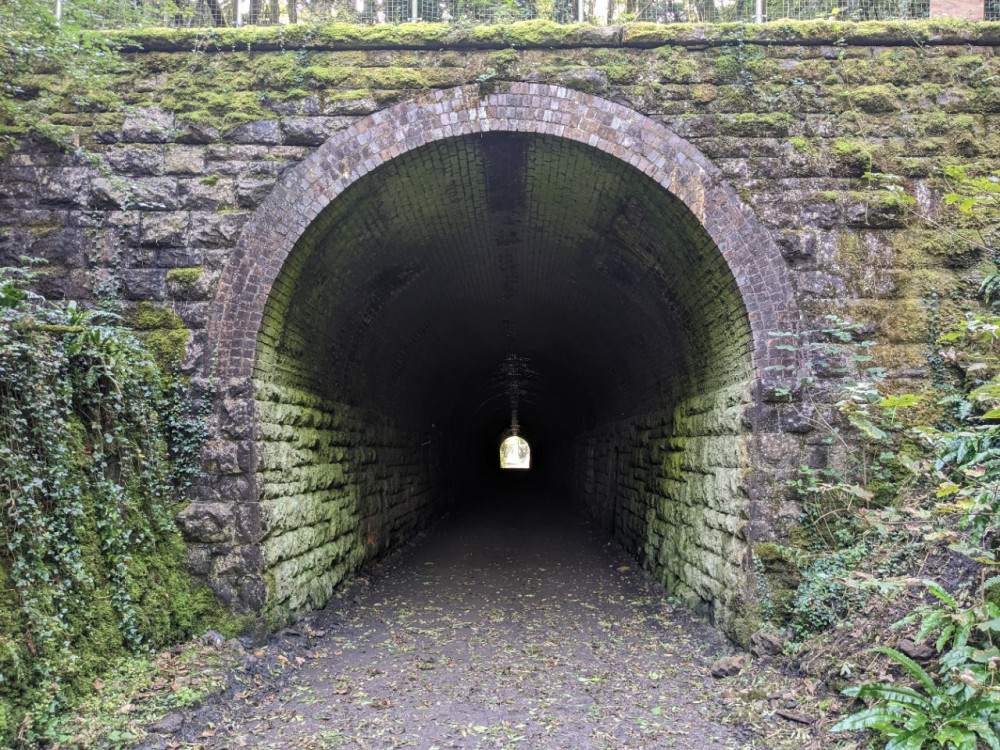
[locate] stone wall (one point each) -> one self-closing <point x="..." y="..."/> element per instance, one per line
<point x="669" y="485"/>
<point x="339" y="486"/>
<point x="794" y="116"/>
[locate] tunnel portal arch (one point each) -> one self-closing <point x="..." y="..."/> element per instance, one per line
<point x="648" y="146"/>
<point x="315" y="487"/>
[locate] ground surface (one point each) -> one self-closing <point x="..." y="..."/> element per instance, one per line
<point x="517" y="626"/>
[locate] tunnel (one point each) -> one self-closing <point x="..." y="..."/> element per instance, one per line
<point x="492" y="278"/>
<point x="470" y="266"/>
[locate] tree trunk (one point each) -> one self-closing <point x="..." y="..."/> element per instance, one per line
<point x="218" y="17"/>
<point x="293" y="11"/>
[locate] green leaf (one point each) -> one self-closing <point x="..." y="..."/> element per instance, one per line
<point x="903" y="696"/>
<point x="908" y="740"/>
<point x="952" y="736"/>
<point x="944" y="637"/>
<point x="940" y="592"/>
<point x="985" y="731"/>
<point x="916" y="671"/>
<point x="877" y="717"/>
<point x="869" y="429"/>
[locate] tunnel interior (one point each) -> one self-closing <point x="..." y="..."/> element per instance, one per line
<point x="481" y="279"/>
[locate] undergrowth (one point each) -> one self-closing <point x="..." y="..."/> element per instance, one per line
<point x="910" y="487"/>
<point x="96" y="448"/>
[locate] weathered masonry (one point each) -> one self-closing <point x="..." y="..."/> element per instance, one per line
<point x="341" y="237"/>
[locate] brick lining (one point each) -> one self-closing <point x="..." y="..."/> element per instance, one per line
<point x="651" y="148"/>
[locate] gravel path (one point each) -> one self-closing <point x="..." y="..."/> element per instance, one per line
<point x="514" y="627"/>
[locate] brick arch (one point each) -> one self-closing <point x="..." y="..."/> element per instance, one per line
<point x="747" y="247"/>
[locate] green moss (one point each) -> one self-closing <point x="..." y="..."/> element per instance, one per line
<point x="703" y="93"/>
<point x="185" y="276"/>
<point x="392" y="78"/>
<point x="167" y="347"/>
<point x="952" y="249"/>
<point x="524" y="33"/>
<point x="162" y="331"/>
<point x="803" y="146"/>
<point x="752" y="125"/>
<point x="781" y="577"/>
<point x="210" y="180"/>
<point x="676" y="66"/>
<point x="745" y="626"/>
<point x="856" y="155"/>
<point x="879" y="98"/>
<point x="147" y="316"/>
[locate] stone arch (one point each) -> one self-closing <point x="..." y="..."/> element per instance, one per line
<point x="239" y="554"/>
<point x="646" y="145"/>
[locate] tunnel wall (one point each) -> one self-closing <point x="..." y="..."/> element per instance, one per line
<point x="793" y="116"/>
<point x="668" y="484"/>
<point x="339" y="486"/>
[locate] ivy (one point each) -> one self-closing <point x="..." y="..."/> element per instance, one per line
<point x="95" y="450"/>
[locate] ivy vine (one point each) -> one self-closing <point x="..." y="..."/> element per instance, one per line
<point x="96" y="448"/>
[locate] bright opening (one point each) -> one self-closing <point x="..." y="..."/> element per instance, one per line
<point x="515" y="453"/>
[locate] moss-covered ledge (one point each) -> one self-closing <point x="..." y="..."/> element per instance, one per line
<point x="543" y="34"/>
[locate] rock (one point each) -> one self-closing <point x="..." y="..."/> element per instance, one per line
<point x="311" y="131"/>
<point x="766" y="644"/>
<point x="184" y="160"/>
<point x="163" y="230"/>
<point x="585" y="79"/>
<point x="266" y="132"/>
<point x="207" y="522"/>
<point x="132" y="160"/>
<point x="251" y="192"/>
<point x="918" y="652"/>
<point x="169" y="724"/>
<point x="798" y="419"/>
<point x="729" y="665"/>
<point x="197" y="133"/>
<point x="149" y="125"/>
<point x="214" y="639"/>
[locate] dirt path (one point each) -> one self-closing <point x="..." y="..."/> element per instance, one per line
<point x="519" y="627"/>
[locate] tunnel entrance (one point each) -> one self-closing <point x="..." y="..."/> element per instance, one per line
<point x="384" y="327"/>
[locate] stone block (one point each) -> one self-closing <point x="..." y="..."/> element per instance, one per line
<point x="261" y="132"/>
<point x="149" y="125"/>
<point x="208" y="194"/>
<point x="208" y="522"/>
<point x="164" y="229"/>
<point x="311" y="131"/>
<point x="144" y="284"/>
<point x="184" y="160"/>
<point x="134" y="161"/>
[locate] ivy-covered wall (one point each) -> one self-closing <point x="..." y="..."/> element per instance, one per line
<point x="794" y="115"/>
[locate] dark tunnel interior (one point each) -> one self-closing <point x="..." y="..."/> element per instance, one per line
<point x="476" y="276"/>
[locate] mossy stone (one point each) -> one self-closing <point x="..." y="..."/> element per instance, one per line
<point x="185" y="276"/>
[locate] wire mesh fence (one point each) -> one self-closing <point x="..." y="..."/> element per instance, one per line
<point x="202" y="13"/>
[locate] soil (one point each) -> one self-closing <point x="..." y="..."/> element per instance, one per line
<point x="516" y="624"/>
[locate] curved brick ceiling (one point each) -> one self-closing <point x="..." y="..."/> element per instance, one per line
<point x="412" y="287"/>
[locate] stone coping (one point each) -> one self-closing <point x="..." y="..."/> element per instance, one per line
<point x="542" y="34"/>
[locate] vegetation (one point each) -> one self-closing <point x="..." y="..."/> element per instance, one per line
<point x="96" y="449"/>
<point x="75" y="67"/>
<point x="909" y="478"/>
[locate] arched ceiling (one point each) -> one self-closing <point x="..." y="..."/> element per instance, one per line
<point x="409" y="291"/>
